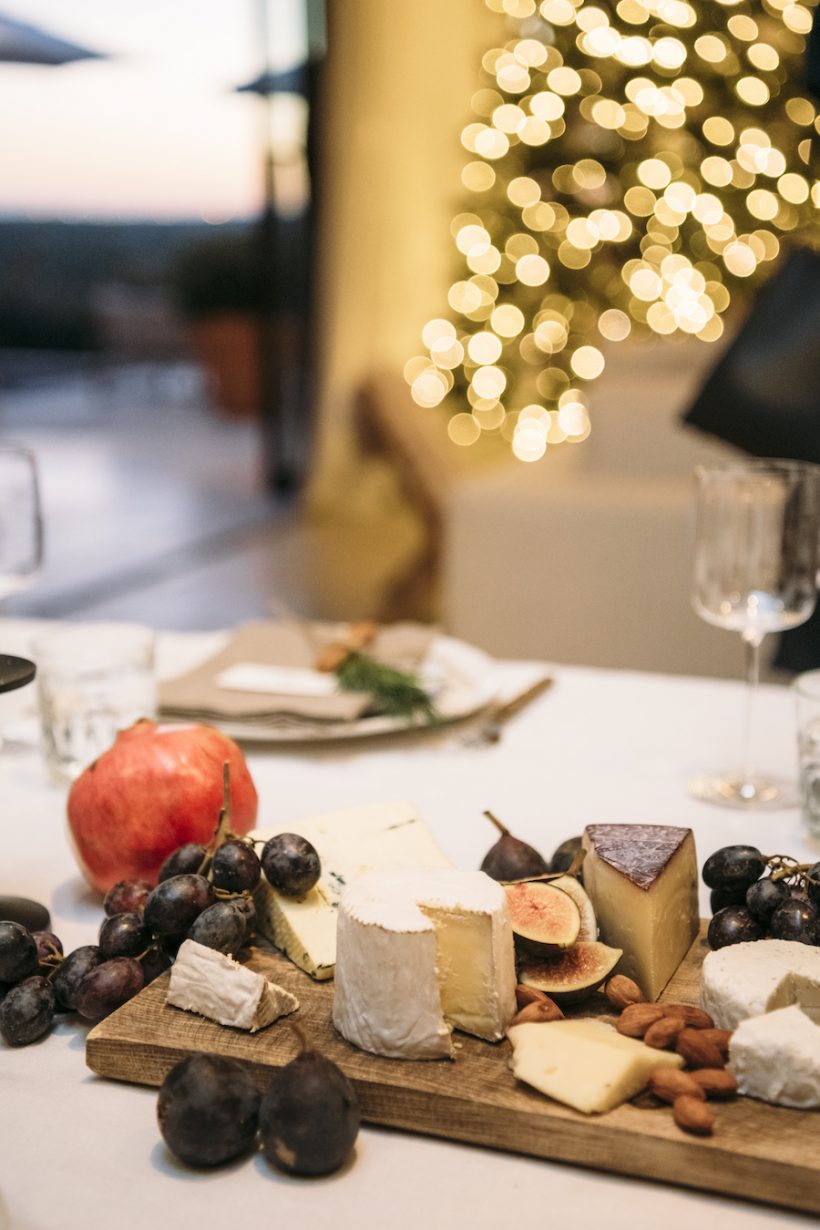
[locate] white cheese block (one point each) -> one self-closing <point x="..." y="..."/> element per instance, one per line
<point x="375" y="837"/>
<point x="743" y="980"/>
<point x="585" y="1064"/>
<point x="643" y="882"/>
<point x="205" y="981"/>
<point x="419" y="954"/>
<point x="776" y="1057"/>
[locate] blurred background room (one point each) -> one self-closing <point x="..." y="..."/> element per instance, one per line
<point x="276" y="320"/>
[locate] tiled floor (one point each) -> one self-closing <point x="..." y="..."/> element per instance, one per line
<point x="154" y="507"/>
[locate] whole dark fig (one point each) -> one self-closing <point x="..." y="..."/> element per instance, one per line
<point x="510" y="858"/>
<point x="564" y="856"/>
<point x="208" y="1110"/>
<point x="309" y="1118"/>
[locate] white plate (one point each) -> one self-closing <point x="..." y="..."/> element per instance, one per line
<point x="462" y="678"/>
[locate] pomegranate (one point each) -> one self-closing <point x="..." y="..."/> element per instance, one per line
<point x="157" y="787"/>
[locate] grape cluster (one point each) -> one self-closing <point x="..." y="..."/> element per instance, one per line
<point x="204" y="893"/>
<point x="756" y="896"/>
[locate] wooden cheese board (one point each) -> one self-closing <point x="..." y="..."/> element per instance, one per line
<point x="758" y="1152"/>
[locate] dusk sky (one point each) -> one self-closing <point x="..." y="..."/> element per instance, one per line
<point x="155" y="131"/>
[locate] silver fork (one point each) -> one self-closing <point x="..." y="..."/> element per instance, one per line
<point x="490" y="729"/>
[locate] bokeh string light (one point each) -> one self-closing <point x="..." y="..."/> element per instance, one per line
<point x="633" y="169"/>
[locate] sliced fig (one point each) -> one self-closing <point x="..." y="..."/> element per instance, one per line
<point x="543" y="918"/>
<point x="589" y="923"/>
<point x="572" y="975"/>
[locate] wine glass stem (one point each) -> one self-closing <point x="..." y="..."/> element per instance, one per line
<point x="752" y="641"/>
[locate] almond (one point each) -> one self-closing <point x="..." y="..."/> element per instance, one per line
<point x="539" y="1010"/>
<point x="646" y="1100"/>
<point x="528" y="995"/>
<point x="671" y="1083"/>
<point x="720" y="1037"/>
<point x="699" y="1051"/>
<point x="693" y="1018"/>
<point x="636" y="1019"/>
<point x="664" y="1033"/>
<point x="622" y="991"/>
<point x="715" y="1082"/>
<point x="693" y="1115"/>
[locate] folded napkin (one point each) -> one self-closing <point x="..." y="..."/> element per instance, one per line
<point x="200" y="693"/>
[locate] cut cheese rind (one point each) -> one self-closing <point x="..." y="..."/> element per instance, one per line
<point x="215" y="986"/>
<point x="585" y="1064"/>
<point x="419" y="954"/>
<point x="747" y="980"/>
<point x="643" y="882"/>
<point x="776" y="1057"/>
<point x="351" y="842"/>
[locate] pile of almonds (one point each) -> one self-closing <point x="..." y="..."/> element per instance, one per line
<point x="689" y="1031"/>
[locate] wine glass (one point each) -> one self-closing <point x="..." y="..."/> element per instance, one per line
<point x="755" y="571"/>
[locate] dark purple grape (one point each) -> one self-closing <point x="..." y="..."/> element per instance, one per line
<point x="763" y="897"/>
<point x="309" y="1118"/>
<point x="221" y="926"/>
<point x="186" y="860"/>
<point x="208" y="1110"/>
<point x="235" y="867"/>
<point x="27" y="1011"/>
<point x="155" y="962"/>
<point x="69" y="974"/>
<point x="124" y="935"/>
<point x="108" y="986"/>
<point x="126" y="897"/>
<point x="291" y="864"/>
<point x="18" y="952"/>
<point x="720" y="897"/>
<point x="796" y="919"/>
<point x="174" y="904"/>
<point x="733" y="925"/>
<point x="813" y="884"/>
<point x="733" y="866"/>
<point x="49" y="950"/>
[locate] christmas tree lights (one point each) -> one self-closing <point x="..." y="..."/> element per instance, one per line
<point x="633" y="168"/>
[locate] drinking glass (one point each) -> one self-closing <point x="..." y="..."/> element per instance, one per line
<point x="21" y="523"/>
<point x="755" y="572"/>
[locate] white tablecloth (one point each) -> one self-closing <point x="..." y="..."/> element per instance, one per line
<point x="78" y="1152"/>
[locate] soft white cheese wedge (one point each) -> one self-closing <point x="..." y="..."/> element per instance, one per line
<point x="585" y="1064"/>
<point x="419" y="954"/>
<point x="215" y="986"/>
<point x="745" y="980"/>
<point x="776" y="1057"/>
<point x="375" y="837"/>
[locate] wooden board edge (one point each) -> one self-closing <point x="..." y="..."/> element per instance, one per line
<point x="701" y="1165"/>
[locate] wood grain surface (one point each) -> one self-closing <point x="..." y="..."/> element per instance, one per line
<point x="758" y="1152"/>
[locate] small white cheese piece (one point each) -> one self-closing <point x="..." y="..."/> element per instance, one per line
<point x="216" y="986"/>
<point x="375" y="837"/>
<point x="585" y="1064"/>
<point x="745" y="980"/>
<point x="776" y="1057"/>
<point x="421" y="953"/>
<point x="643" y="882"/>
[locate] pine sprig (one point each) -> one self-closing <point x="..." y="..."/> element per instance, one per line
<point x="394" y="692"/>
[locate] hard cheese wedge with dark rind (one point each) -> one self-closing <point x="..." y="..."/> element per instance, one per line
<point x="643" y="881"/>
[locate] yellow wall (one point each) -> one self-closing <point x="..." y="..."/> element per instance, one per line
<point x="398" y="82"/>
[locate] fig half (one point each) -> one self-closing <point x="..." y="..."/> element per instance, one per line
<point x="573" y="975"/>
<point x="589" y="923"/>
<point x="543" y="917"/>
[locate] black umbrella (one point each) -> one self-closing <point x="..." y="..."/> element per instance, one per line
<point x="24" y="44"/>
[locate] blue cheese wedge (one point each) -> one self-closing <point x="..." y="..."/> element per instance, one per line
<point x="217" y="987"/>
<point x="350" y="843"/>
<point x="776" y="1057"/>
